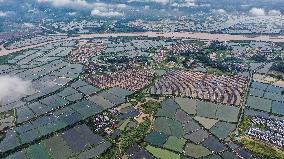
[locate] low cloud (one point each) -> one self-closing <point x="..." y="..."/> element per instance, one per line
<point x="67" y="3"/>
<point x="185" y="3"/>
<point x="257" y="12"/>
<point x="4" y="14"/>
<point x="220" y="11"/>
<point x="13" y="88"/>
<point x="174" y="3"/>
<point x="80" y="4"/>
<point x="96" y="8"/>
<point x="164" y="2"/>
<point x="29" y="25"/>
<point x="108" y="10"/>
<point x="102" y="13"/>
<point x="262" y="12"/>
<point x="72" y="13"/>
<point x="274" y="13"/>
<point x="161" y="1"/>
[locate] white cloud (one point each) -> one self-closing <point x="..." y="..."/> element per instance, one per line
<point x="67" y="3"/>
<point x="262" y="12"/>
<point x="220" y="11"/>
<point x="34" y="10"/>
<point x="161" y="1"/>
<point x="13" y="88"/>
<point x="164" y="2"/>
<point x="274" y="13"/>
<point x="257" y="12"/>
<point x="185" y="3"/>
<point x="83" y="4"/>
<point x="146" y="7"/>
<point x="97" y="8"/>
<point x="121" y="6"/>
<point x="102" y="13"/>
<point x="174" y="3"/>
<point x="72" y="13"/>
<point x="108" y="5"/>
<point x="3" y="14"/>
<point x="29" y="25"/>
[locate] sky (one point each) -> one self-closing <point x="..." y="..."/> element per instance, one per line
<point x="118" y="8"/>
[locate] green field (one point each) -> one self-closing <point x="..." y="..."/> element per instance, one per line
<point x="161" y="153"/>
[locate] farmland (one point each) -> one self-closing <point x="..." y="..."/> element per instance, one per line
<point x="92" y="97"/>
<point x="141" y="79"/>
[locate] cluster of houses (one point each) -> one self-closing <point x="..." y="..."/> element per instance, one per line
<point x="267" y="129"/>
<point x="214" y="23"/>
<point x="83" y="26"/>
<point x="130" y="79"/>
<point x="86" y="50"/>
<point x="106" y="122"/>
<point x="176" y="49"/>
<point x="223" y="89"/>
<point x="160" y="55"/>
<point x="255" y="25"/>
<point x="184" y="48"/>
<point x="92" y="67"/>
<point x="11" y="30"/>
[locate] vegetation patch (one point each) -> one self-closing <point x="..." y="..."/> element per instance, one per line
<point x="134" y="135"/>
<point x="150" y="107"/>
<point x="278" y="66"/>
<point x="174" y="143"/>
<point x="4" y="59"/>
<point x="139" y="96"/>
<point x="169" y="126"/>
<point x="244" y="125"/>
<point x="262" y="149"/>
<point x="128" y="138"/>
<point x="161" y="153"/>
<point x="156" y="138"/>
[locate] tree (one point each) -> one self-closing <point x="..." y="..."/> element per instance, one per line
<point x="278" y="66"/>
<point x="259" y="58"/>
